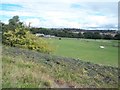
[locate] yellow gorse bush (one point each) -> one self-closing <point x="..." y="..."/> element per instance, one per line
<point x="24" y="39"/>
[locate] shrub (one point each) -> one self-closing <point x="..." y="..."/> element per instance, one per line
<point x="21" y="37"/>
<point x="47" y="83"/>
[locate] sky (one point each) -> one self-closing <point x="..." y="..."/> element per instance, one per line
<point x="85" y="14"/>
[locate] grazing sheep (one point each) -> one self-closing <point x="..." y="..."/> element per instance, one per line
<point x="102" y="47"/>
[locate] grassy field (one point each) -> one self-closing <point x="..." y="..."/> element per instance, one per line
<point x="88" y="50"/>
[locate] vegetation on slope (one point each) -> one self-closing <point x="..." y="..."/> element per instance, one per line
<point x="31" y="69"/>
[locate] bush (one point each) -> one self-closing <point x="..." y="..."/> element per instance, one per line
<point x="21" y="37"/>
<point x="47" y="83"/>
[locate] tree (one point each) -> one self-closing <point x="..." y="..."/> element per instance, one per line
<point x="80" y="35"/>
<point x="88" y="35"/>
<point x="96" y="35"/>
<point x="108" y="37"/>
<point x="1" y="24"/>
<point x="117" y="36"/>
<point x="15" y="22"/>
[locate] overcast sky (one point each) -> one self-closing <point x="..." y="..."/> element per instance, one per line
<point x="94" y="14"/>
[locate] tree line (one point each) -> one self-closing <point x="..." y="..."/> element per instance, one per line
<point x="70" y="34"/>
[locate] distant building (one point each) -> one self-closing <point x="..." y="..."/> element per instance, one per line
<point x="49" y="36"/>
<point x="108" y="33"/>
<point x="43" y="35"/>
<point x="40" y="35"/>
<point x="52" y="36"/>
<point x="105" y="32"/>
<point x="75" y="32"/>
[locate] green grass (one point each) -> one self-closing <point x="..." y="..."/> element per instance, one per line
<point x="87" y="50"/>
<point x="22" y="68"/>
<point x="23" y="74"/>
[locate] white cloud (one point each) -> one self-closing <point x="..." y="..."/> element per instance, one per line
<point x="13" y="13"/>
<point x="34" y="22"/>
<point x="57" y="1"/>
<point x="65" y="23"/>
<point x="101" y="20"/>
<point x="59" y="13"/>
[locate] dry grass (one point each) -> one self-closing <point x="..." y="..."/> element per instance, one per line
<point x="24" y="74"/>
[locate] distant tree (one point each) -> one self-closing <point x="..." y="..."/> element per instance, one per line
<point x="108" y="37"/>
<point x="15" y="22"/>
<point x="80" y="35"/>
<point x="117" y="36"/>
<point x="1" y="25"/>
<point x="96" y="35"/>
<point x="88" y="35"/>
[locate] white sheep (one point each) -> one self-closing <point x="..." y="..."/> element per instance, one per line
<point x="102" y="47"/>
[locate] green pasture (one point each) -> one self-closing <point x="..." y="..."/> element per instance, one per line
<point x="87" y="50"/>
